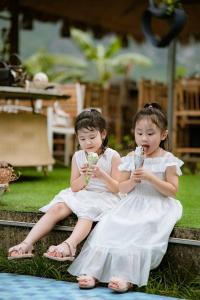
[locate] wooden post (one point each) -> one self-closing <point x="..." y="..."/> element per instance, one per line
<point x="14" y="28"/>
<point x="170" y="83"/>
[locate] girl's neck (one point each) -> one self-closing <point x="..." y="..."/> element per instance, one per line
<point x="157" y="153"/>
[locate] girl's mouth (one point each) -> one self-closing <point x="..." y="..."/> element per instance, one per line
<point x="145" y="148"/>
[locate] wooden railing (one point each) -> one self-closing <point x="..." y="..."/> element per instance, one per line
<point x="186" y="137"/>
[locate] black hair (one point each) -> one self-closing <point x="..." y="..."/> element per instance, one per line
<point x="92" y="119"/>
<point x="156" y="115"/>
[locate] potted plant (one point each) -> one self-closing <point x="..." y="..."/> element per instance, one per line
<point x="7" y="174"/>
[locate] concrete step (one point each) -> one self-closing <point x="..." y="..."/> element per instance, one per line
<point x="183" y="250"/>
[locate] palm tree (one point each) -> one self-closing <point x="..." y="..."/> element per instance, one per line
<point x="107" y="59"/>
<point x="99" y="63"/>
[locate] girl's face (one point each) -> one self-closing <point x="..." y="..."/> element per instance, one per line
<point x="149" y="136"/>
<point x="91" y="140"/>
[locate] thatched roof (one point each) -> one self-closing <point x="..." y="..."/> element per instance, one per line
<point x="120" y="16"/>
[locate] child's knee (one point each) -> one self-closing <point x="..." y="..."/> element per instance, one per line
<point x="60" y="209"/>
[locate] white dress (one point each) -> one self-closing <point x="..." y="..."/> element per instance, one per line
<point x="95" y="199"/>
<point x="132" y="238"/>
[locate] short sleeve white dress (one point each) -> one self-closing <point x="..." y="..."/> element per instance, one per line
<point x="95" y="199"/>
<point x="132" y="238"/>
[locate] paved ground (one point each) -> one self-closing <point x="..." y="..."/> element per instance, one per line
<point x="23" y="287"/>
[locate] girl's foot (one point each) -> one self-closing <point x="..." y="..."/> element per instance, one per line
<point x="62" y="252"/>
<point x="22" y="250"/>
<point x="86" y="282"/>
<point x="118" y="285"/>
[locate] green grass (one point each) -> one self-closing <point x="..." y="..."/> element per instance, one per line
<point x="34" y="189"/>
<point x="189" y="195"/>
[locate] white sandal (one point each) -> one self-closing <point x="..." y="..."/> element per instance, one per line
<point x="86" y="282"/>
<point x="23" y="249"/>
<point x="119" y="285"/>
<point x="68" y="254"/>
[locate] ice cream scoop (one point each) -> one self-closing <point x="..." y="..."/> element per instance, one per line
<point x="138" y="157"/>
<point x="92" y="160"/>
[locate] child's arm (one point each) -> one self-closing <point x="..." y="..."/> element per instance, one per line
<point x="168" y="187"/>
<point x="111" y="181"/>
<point x="126" y="182"/>
<point x="77" y="181"/>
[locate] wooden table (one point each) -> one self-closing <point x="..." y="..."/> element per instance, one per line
<point x="8" y="92"/>
<point x="23" y="136"/>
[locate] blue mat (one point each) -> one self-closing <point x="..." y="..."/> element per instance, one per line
<point x="23" y="287"/>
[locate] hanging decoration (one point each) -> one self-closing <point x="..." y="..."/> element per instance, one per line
<point x="168" y="10"/>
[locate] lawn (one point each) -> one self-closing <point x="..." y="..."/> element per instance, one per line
<point x="34" y="189"/>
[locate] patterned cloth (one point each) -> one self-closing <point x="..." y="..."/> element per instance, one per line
<point x="23" y="287"/>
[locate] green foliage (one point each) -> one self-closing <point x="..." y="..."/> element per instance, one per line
<point x="59" y="68"/>
<point x="171" y="5"/>
<point x="101" y="61"/>
<point x="106" y="58"/>
<point x="181" y="72"/>
<point x="85" y="42"/>
<point x="126" y="144"/>
<point x="175" y="283"/>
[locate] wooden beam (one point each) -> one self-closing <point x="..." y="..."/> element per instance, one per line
<point x="14" y="28"/>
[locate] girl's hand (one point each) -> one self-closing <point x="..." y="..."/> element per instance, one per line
<point x="141" y="174"/>
<point x="84" y="169"/>
<point x="88" y="172"/>
<point x="97" y="172"/>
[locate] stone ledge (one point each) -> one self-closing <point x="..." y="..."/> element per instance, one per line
<point x="179" y="256"/>
<point x="33" y="217"/>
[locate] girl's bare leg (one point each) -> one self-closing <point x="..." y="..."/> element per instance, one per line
<point x="80" y="232"/>
<point x="68" y="247"/>
<point x="56" y="213"/>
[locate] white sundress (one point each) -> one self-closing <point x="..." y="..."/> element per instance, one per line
<point x="95" y="199"/>
<point x="132" y="238"/>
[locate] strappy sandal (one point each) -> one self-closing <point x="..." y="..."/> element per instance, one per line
<point x="22" y="250"/>
<point x="66" y="251"/>
<point x="118" y="285"/>
<point x="86" y="282"/>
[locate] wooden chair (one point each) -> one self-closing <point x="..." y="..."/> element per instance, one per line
<point x="186" y="116"/>
<point x="69" y="109"/>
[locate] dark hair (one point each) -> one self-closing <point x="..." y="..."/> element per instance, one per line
<point x="90" y="119"/>
<point x="156" y="115"/>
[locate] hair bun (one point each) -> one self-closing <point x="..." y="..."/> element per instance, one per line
<point x="153" y="105"/>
